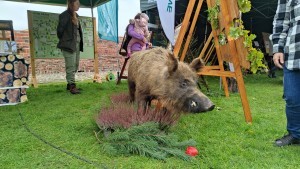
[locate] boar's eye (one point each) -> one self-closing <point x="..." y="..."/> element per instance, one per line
<point x="184" y="83"/>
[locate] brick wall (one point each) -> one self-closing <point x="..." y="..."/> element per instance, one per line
<point x="108" y="56"/>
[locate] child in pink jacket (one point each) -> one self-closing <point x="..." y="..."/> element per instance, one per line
<point x="140" y="27"/>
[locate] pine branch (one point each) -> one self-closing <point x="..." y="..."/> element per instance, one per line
<point x="119" y="136"/>
<point x="146" y="140"/>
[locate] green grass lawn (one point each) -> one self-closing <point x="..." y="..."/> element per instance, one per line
<point x="67" y="122"/>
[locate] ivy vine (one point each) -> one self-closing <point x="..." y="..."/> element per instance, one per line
<point x="255" y="57"/>
<point x="236" y="31"/>
<point x="213" y="16"/>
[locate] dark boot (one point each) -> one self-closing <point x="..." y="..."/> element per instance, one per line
<point x="68" y="86"/>
<point x="73" y="89"/>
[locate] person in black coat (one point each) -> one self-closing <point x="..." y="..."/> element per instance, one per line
<point x="69" y="33"/>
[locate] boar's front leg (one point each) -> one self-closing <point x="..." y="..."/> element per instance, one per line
<point x="143" y="99"/>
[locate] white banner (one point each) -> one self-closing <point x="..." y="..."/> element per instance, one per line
<point x="166" y="10"/>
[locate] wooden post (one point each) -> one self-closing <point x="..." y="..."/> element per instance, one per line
<point x="235" y="59"/>
<point x="97" y="77"/>
<point x="220" y="59"/>
<point x="31" y="42"/>
<point x="184" y="27"/>
<point x="189" y="37"/>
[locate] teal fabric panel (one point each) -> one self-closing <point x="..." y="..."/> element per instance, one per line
<point x="108" y="21"/>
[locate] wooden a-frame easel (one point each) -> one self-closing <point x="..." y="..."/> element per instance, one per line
<point x="233" y="51"/>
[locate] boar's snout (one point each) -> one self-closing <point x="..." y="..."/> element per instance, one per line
<point x="198" y="104"/>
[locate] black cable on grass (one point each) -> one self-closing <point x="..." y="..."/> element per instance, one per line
<point x="56" y="147"/>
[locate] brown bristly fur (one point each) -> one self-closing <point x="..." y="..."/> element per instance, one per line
<point x="157" y="74"/>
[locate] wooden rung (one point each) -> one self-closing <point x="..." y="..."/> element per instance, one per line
<point x="217" y="67"/>
<point x="207" y="56"/>
<point x="216" y="73"/>
<point x="206" y="45"/>
<point x="214" y="59"/>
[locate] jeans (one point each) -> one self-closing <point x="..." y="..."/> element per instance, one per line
<point x="292" y="98"/>
<point x="71" y="64"/>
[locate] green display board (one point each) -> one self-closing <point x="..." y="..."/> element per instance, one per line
<point x="42" y="30"/>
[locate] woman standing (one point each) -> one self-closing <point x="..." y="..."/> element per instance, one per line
<point x="69" y="33"/>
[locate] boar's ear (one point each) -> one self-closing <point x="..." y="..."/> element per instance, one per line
<point x="172" y="63"/>
<point x="197" y="64"/>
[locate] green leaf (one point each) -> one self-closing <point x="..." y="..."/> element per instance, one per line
<point x="255" y="57"/>
<point x="244" y="5"/>
<point x="213" y="13"/>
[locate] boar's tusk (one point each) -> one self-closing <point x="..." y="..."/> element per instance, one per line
<point x="193" y="104"/>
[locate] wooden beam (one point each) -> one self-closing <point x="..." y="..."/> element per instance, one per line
<point x="212" y="67"/>
<point x="234" y="55"/>
<point x="31" y="44"/>
<point x="217" y="73"/>
<point x="219" y="56"/>
<point x="189" y="37"/>
<point x="97" y="77"/>
<point x="184" y="27"/>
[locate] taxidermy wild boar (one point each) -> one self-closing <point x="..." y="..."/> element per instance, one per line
<point x="157" y="74"/>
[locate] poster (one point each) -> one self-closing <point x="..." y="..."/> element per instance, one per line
<point x="42" y="28"/>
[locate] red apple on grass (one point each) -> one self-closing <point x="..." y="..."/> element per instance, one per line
<point x="191" y="151"/>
